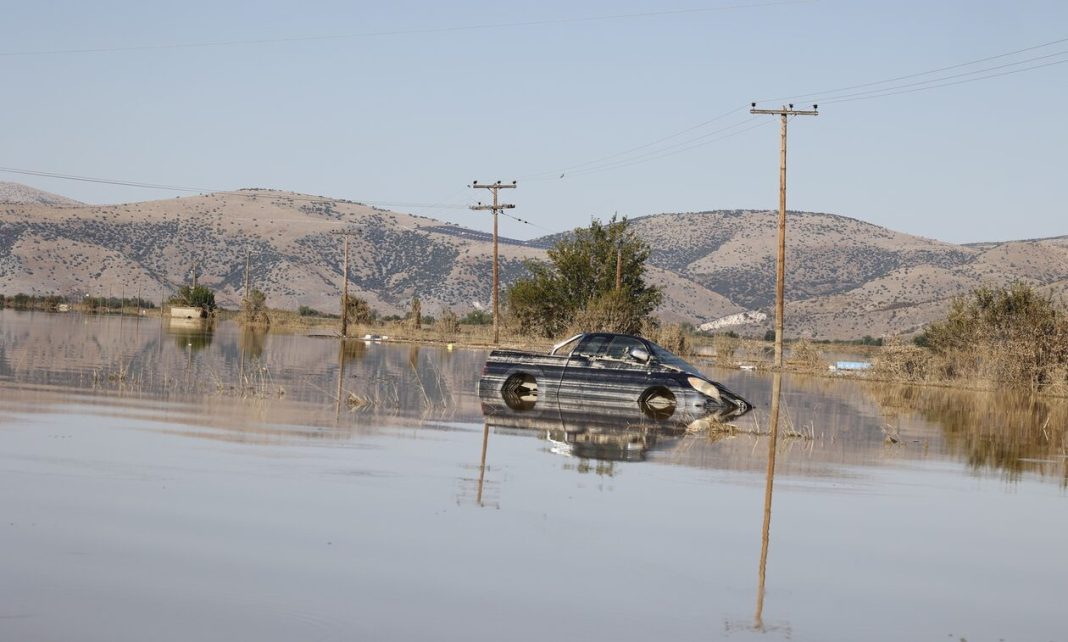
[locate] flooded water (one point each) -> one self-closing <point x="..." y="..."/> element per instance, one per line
<point x="164" y="482"/>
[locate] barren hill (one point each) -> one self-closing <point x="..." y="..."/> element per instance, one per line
<point x="296" y="250"/>
<point x="845" y="279"/>
<point x="19" y="193"/>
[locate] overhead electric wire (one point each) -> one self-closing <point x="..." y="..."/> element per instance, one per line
<point x="629" y="162"/>
<point x="916" y="74"/>
<point x="405" y="32"/>
<point x="564" y="170"/>
<point x="894" y="91"/>
<point x="204" y="190"/>
<point x="832" y="97"/>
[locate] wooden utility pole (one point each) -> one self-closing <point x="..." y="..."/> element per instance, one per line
<point x="619" y="267"/>
<point x="248" y="255"/>
<point x="345" y="294"/>
<point x="496" y="207"/>
<point x="780" y="272"/>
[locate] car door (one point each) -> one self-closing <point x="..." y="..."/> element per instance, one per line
<point x="601" y="372"/>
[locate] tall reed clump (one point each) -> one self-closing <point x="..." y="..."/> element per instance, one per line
<point x="448" y="325"/>
<point x="805" y="355"/>
<point x="671" y="336"/>
<point x="1010" y="335"/>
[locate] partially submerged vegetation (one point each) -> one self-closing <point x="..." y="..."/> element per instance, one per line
<point x="594" y="281"/>
<point x="991" y="337"/>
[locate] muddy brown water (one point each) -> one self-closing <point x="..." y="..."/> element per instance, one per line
<point x="163" y="482"/>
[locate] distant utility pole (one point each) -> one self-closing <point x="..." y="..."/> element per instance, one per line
<point x="345" y="294"/>
<point x="496" y="207"/>
<point x="780" y="273"/>
<point x="248" y="255"/>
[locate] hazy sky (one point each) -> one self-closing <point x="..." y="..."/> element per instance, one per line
<point x="416" y="99"/>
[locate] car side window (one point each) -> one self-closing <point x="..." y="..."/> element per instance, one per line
<point x="592" y="346"/>
<point x="620" y="347"/>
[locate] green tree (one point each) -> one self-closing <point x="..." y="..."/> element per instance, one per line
<point x="194" y="297"/>
<point x="578" y="283"/>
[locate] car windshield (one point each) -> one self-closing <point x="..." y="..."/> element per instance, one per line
<point x="666" y="357"/>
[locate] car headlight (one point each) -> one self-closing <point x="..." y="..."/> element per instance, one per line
<point x="704" y="387"/>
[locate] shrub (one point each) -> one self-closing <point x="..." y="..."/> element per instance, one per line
<point x="1004" y="335"/>
<point x="448" y="324"/>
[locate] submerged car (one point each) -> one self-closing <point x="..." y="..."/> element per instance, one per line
<point x="607" y="370"/>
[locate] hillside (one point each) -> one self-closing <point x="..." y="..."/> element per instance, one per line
<point x="24" y="194"/>
<point x="845" y="278"/>
<point x="296" y="253"/>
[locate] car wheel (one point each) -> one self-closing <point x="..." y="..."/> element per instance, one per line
<point x="520" y="391"/>
<point x="657" y="403"/>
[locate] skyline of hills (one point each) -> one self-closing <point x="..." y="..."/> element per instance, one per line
<point x="845" y="278"/>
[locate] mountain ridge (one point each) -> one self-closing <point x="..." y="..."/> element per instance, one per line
<point x="846" y="278"/>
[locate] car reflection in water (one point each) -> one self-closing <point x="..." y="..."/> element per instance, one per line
<point x="607" y="434"/>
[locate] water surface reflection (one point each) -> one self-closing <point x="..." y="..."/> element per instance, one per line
<point x="277" y="487"/>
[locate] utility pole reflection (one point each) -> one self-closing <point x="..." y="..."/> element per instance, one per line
<point x="340" y="376"/>
<point x="773" y="440"/>
<point x="482" y="464"/>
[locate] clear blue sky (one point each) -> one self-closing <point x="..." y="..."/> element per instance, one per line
<point x="413" y="117"/>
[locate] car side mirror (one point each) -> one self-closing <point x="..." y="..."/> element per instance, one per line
<point x="639" y="354"/>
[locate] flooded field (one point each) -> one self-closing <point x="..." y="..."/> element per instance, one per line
<point x="163" y="482"/>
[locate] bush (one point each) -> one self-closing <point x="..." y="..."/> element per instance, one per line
<point x="194" y="297"/>
<point x="448" y="324"/>
<point x="359" y="311"/>
<point x="1003" y="335"/>
<point x="609" y="312"/>
<point x="254" y="308"/>
<point x="477" y="317"/>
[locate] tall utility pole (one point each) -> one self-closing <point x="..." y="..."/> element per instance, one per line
<point x="248" y="254"/>
<point x="345" y="294"/>
<point x="780" y="272"/>
<point x="496" y="207"/>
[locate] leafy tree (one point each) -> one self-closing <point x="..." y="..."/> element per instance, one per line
<point x="194" y="297"/>
<point x="580" y="280"/>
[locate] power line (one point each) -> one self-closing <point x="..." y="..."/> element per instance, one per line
<point x="826" y="97"/>
<point x="205" y="190"/>
<point x="894" y="91"/>
<point x="402" y="32"/>
<point x="1006" y="54"/>
<point x="563" y="170"/>
<point x="629" y="162"/>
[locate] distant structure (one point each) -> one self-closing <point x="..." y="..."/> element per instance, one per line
<point x="183" y="312"/>
<point x="748" y="317"/>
